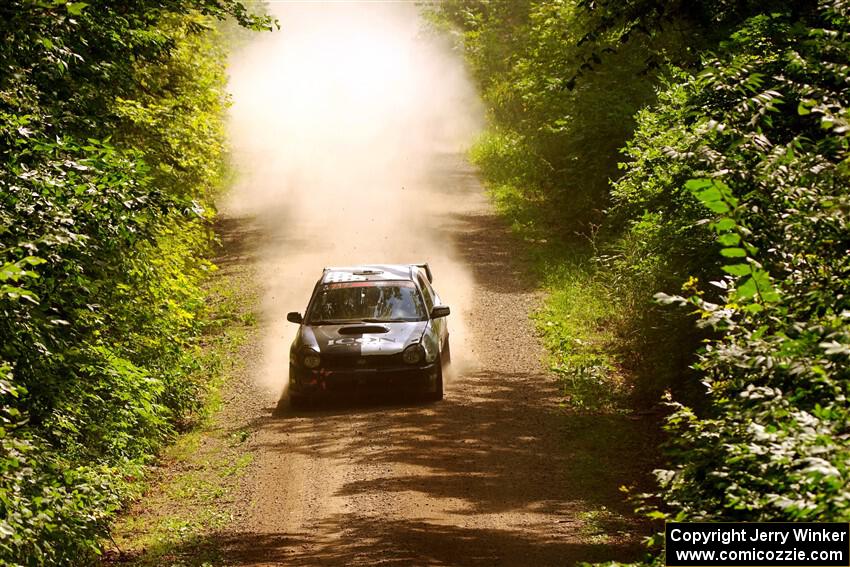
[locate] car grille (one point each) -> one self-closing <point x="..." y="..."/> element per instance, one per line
<point x="355" y="361"/>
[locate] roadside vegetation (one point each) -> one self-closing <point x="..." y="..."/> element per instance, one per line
<point x="190" y="490"/>
<point x="112" y="146"/>
<point x="680" y="172"/>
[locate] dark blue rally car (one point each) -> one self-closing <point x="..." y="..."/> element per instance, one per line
<point x="379" y="327"/>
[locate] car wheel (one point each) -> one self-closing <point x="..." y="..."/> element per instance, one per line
<point x="437" y="394"/>
<point x="298" y="402"/>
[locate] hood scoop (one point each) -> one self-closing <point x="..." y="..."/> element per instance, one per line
<point x="362" y="329"/>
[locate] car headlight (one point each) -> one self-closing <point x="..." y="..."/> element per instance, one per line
<point x="414" y="354"/>
<point x="311" y="359"/>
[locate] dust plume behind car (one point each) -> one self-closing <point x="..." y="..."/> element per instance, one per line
<point x="339" y="127"/>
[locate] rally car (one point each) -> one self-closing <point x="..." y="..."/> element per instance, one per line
<point x="380" y="327"/>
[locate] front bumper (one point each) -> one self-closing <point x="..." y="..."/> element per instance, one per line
<point x="321" y="381"/>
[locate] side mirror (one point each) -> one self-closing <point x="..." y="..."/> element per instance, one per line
<point x="440" y="311"/>
<point x="294" y="317"/>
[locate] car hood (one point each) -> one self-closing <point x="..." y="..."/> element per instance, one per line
<point x="362" y="338"/>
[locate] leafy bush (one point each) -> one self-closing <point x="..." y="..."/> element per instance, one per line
<point x="773" y="155"/>
<point x="733" y="202"/>
<point x="111" y="143"/>
<point x="570" y="133"/>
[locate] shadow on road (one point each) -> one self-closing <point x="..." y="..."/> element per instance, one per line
<point x="481" y="450"/>
<point x="498" y="446"/>
<point x="496" y="451"/>
<point x="375" y="541"/>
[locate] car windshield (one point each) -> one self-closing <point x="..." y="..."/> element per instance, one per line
<point x="372" y="302"/>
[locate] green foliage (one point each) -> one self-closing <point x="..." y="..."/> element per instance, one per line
<point x="580" y="324"/>
<point x="738" y="144"/>
<point x="518" y="51"/>
<point x="111" y="141"/>
<point x="513" y="174"/>
<point x="765" y="145"/>
<point x="733" y="203"/>
<point x="581" y="319"/>
<point x="549" y="156"/>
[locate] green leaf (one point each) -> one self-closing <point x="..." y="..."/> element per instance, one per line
<point x="759" y="333"/>
<point x="15" y="293"/>
<point x="739" y="270"/>
<point x="32" y="261"/>
<point x="76" y="8"/>
<point x="718" y="207"/>
<point x="747" y="289"/>
<point x="805" y="105"/>
<point x="729" y="239"/>
<point x="709" y="195"/>
<point x="694" y="185"/>
<point x="734" y="252"/>
<point x="724" y="224"/>
<point x="770" y="295"/>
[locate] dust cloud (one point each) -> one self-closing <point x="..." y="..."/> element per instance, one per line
<point x="338" y="125"/>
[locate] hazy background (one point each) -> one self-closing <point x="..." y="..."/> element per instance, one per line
<point x="338" y="128"/>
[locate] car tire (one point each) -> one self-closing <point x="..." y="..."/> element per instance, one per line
<point x="298" y="402"/>
<point x="437" y="394"/>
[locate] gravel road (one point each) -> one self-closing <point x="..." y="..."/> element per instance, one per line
<point x="496" y="474"/>
<point x="347" y="130"/>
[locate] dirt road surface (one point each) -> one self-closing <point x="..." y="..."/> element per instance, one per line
<point x="347" y="135"/>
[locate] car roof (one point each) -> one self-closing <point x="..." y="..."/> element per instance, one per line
<point x="369" y="272"/>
